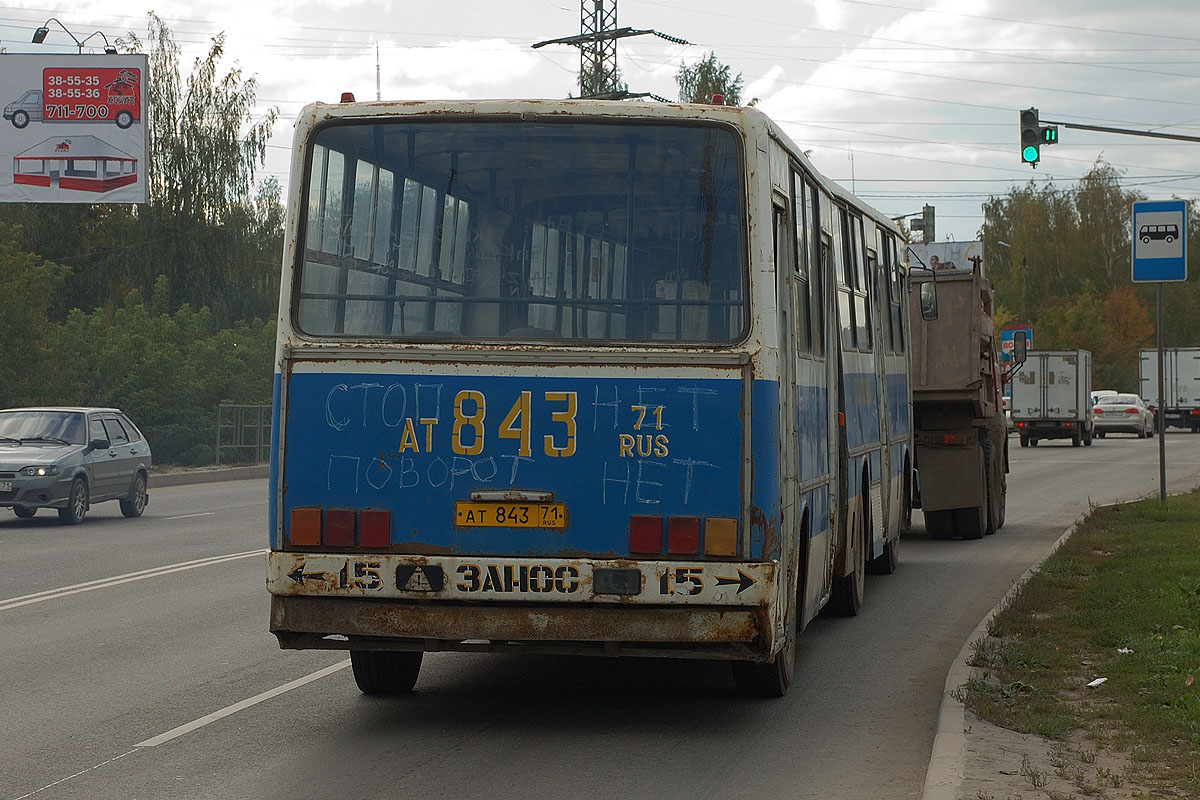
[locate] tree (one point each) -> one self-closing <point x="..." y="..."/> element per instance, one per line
<point x="28" y="285"/>
<point x="201" y="228"/>
<point x="707" y="77"/>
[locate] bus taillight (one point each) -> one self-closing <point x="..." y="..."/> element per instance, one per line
<point x="683" y="535"/>
<point x="645" y="533"/>
<point x="340" y="527"/>
<point x="374" y="528"/>
<point x="720" y="536"/>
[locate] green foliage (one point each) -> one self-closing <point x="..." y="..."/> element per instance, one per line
<point x="699" y="82"/>
<point x="1067" y="273"/>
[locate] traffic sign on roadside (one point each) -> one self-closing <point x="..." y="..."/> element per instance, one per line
<point x="1159" y="241"/>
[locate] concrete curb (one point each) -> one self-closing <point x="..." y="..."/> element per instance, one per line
<point x="188" y="477"/>
<point x="945" y="772"/>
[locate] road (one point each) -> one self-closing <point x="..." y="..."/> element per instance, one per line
<point x="136" y="663"/>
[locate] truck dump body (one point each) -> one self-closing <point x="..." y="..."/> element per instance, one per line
<point x="959" y="425"/>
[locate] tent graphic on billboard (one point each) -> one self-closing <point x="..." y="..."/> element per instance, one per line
<point x="84" y="163"/>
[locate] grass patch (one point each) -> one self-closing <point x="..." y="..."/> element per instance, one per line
<point x="1121" y="601"/>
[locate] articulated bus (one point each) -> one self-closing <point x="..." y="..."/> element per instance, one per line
<point x="579" y="377"/>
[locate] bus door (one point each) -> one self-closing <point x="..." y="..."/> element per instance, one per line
<point x="792" y="551"/>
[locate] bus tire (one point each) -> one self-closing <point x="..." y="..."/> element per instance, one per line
<point x="754" y="679"/>
<point x="385" y="672"/>
<point x="849" y="590"/>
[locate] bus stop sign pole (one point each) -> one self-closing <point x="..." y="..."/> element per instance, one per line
<point x="1160" y="256"/>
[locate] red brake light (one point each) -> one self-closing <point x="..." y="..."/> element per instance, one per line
<point x="339" y="527"/>
<point x="683" y="535"/>
<point x="645" y="534"/>
<point x="1131" y="411"/>
<point x="1097" y="410"/>
<point x="374" y="528"/>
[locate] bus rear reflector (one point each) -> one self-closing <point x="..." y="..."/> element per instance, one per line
<point x="375" y="528"/>
<point x="720" y="536"/>
<point x="339" y="527"/>
<point x="645" y="534"/>
<point x="951" y="438"/>
<point x="305" y="529"/>
<point x="683" y="535"/>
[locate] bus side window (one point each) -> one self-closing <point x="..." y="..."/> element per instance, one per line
<point x="800" y="250"/>
<point x="843" y="268"/>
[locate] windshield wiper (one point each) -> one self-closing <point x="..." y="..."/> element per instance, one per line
<point x="44" y="439"/>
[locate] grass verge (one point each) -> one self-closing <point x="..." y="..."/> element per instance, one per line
<point x="1120" y="600"/>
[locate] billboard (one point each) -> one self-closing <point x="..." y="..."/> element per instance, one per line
<point x="73" y="129"/>
<point x="945" y="255"/>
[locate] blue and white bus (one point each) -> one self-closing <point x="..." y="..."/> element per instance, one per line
<point x="584" y="377"/>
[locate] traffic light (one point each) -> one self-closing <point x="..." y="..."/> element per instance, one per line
<point x="924" y="225"/>
<point x="1031" y="137"/>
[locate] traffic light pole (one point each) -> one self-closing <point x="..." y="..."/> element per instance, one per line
<point x="1105" y="129"/>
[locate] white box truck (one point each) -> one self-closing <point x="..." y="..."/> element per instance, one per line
<point x="1051" y="397"/>
<point x="1180" y="404"/>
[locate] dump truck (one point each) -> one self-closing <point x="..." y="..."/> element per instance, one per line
<point x="1052" y="397"/>
<point x="1180" y="404"/>
<point x="960" y="431"/>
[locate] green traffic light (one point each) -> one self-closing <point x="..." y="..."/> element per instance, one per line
<point x="1029" y="154"/>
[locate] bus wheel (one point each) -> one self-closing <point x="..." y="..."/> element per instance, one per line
<point x="767" y="680"/>
<point x="385" y="672"/>
<point x="848" y="591"/>
<point x="889" y="559"/>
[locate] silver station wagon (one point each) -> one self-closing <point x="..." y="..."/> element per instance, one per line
<point x="69" y="458"/>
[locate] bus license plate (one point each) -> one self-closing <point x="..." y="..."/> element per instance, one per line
<point x="510" y="515"/>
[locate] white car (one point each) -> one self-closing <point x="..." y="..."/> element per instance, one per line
<point x="1123" y="413"/>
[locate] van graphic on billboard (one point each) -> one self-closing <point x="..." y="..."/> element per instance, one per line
<point x="78" y="132"/>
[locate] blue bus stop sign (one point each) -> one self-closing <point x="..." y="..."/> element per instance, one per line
<point x="1159" y="241"/>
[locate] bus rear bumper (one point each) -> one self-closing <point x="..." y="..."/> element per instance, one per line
<point x="341" y="623"/>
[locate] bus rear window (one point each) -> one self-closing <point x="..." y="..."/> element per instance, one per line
<point x="486" y="230"/>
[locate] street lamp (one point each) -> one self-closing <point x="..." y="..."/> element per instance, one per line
<point x="39" y="36"/>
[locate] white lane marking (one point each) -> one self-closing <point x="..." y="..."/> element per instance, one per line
<point x="189" y="516"/>
<point x="208" y="719"/>
<point x="116" y="580"/>
<point x="76" y="775"/>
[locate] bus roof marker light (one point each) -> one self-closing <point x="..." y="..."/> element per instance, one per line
<point x="347" y="97"/>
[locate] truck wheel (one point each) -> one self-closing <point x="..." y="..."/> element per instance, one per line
<point x="385" y="672"/>
<point x="1088" y="435"/>
<point x="1024" y="440"/>
<point x="989" y="462"/>
<point x="1076" y="438"/>
<point x="1033" y="442"/>
<point x="971" y="523"/>
<point x="20" y="119"/>
<point x="940" y="524"/>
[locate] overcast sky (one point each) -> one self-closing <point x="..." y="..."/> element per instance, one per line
<point x="907" y="102"/>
